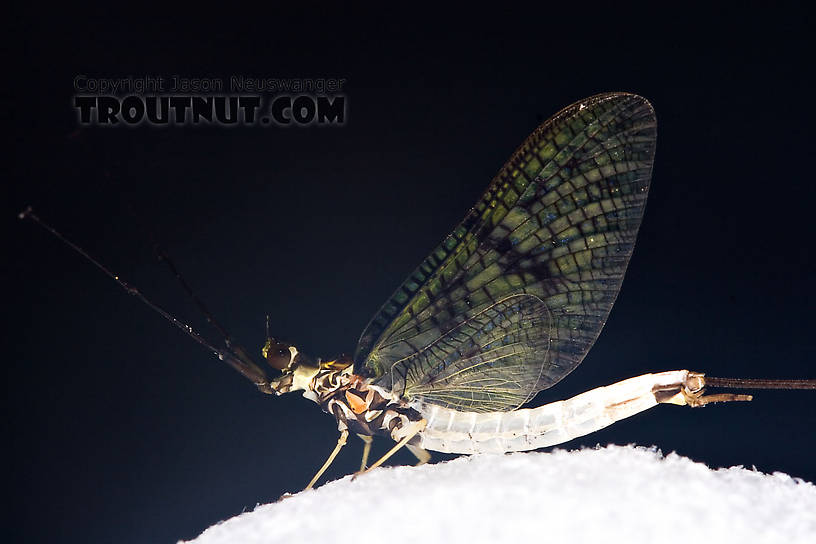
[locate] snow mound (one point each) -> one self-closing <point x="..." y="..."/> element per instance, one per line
<point x="612" y="494"/>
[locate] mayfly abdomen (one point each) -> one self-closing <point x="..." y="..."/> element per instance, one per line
<point x="507" y="305"/>
<point x="452" y="431"/>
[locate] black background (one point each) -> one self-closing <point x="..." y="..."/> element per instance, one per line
<point x="122" y="429"/>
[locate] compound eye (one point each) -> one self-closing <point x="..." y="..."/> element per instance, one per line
<point x="277" y="354"/>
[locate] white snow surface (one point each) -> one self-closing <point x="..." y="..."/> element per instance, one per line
<point x="605" y="495"/>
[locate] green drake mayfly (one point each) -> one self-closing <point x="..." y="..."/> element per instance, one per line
<point x="506" y="306"/>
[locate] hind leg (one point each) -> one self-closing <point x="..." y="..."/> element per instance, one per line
<point x="422" y="455"/>
<point x="367" y="440"/>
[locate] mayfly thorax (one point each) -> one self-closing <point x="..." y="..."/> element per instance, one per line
<point x="507" y="305"/>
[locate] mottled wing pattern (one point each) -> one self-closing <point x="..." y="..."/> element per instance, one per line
<point x="558" y="222"/>
<point x="483" y="364"/>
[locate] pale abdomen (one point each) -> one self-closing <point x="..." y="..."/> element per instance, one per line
<point x="451" y="431"/>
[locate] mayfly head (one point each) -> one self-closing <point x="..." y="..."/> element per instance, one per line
<point x="280" y="355"/>
<point x="297" y="370"/>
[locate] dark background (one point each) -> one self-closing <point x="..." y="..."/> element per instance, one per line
<point x="122" y="429"/>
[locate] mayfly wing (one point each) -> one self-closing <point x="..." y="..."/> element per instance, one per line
<point x="490" y="362"/>
<point x="558" y="222"/>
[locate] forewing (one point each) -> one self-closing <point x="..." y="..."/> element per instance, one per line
<point x="558" y="222"/>
<point x="490" y="362"/>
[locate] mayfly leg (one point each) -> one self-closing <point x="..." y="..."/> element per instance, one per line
<point x="422" y="455"/>
<point x="236" y="349"/>
<point x="410" y="432"/>
<point x="367" y="440"/>
<point x="163" y="255"/>
<point x="340" y="443"/>
<point x="236" y="359"/>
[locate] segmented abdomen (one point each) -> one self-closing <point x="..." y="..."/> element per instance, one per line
<point x="451" y="431"/>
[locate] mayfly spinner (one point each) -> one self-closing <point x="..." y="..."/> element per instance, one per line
<point x="506" y="306"/>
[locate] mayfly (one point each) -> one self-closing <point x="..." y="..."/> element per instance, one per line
<point x="505" y="306"/>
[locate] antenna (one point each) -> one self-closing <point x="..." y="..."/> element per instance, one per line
<point x="236" y="359"/>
